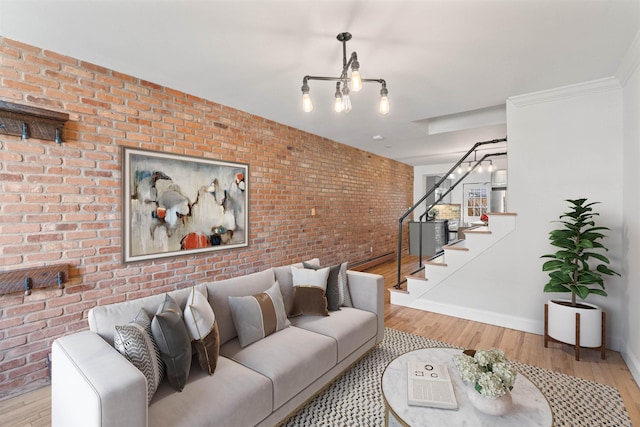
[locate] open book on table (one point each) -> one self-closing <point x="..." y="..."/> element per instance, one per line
<point x="430" y="385"/>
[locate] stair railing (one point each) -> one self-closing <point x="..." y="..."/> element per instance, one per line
<point x="431" y="191"/>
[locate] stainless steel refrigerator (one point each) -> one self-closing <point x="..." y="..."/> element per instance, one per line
<point x="498" y="200"/>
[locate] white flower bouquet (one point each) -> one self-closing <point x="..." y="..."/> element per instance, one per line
<point x="488" y="370"/>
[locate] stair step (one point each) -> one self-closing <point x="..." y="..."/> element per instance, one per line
<point x="439" y="264"/>
<point x="398" y="291"/>
<point x="417" y="277"/>
<point x="479" y="230"/>
<point x="455" y="248"/>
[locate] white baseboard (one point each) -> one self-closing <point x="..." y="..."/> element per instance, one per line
<point x="506" y="321"/>
<point x="482" y="316"/>
<point x="633" y="363"/>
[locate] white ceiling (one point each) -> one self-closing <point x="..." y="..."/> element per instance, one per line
<point x="438" y="57"/>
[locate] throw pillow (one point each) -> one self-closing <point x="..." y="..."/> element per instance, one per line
<point x="309" y="291"/>
<point x="333" y="292"/>
<point x="173" y="342"/>
<point x="135" y="342"/>
<point x="343" y="283"/>
<point x="260" y="315"/>
<point x="202" y="326"/>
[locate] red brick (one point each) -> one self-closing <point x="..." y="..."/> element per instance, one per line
<point x="44" y="314"/>
<point x="26" y="328"/>
<point x="290" y="170"/>
<point x="8" y="343"/>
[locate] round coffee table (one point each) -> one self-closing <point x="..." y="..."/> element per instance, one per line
<point x="530" y="407"/>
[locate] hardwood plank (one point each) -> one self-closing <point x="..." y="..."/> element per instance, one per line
<point x="34" y="408"/>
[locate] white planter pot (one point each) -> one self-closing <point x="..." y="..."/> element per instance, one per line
<point x="562" y="323"/>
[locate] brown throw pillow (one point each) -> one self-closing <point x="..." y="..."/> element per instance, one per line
<point x="207" y="350"/>
<point x="202" y="326"/>
<point x="309" y="291"/>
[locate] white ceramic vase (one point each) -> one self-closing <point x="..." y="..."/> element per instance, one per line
<point x="498" y="406"/>
<point x="562" y="323"/>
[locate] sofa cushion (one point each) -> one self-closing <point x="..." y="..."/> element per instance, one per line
<point x="104" y="318"/>
<point x="258" y="316"/>
<point x="292" y="358"/>
<point x="309" y="287"/>
<point x="233" y="396"/>
<point x="173" y="341"/>
<point x="350" y="327"/>
<point x="219" y="292"/>
<point x="135" y="342"/>
<point x="203" y="328"/>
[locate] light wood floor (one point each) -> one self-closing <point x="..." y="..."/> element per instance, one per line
<point x="33" y="408"/>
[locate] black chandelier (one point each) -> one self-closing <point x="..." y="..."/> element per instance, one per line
<point x="345" y="84"/>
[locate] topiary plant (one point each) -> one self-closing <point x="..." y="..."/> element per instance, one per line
<point x="569" y="268"/>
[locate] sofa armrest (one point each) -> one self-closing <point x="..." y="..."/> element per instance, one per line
<point x="94" y="385"/>
<point x="367" y="293"/>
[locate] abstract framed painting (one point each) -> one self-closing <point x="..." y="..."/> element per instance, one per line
<point x="179" y="205"/>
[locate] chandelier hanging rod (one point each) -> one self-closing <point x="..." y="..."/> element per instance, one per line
<point x="342" y="100"/>
<point x="340" y="79"/>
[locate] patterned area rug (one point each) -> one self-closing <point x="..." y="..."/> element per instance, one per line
<point x="355" y="399"/>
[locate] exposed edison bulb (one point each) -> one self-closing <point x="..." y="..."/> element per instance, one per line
<point x="384" y="101"/>
<point x="480" y="168"/>
<point x="490" y="166"/>
<point x="346" y="103"/>
<point x="307" y="105"/>
<point x="384" y="105"/>
<point x="338" y="106"/>
<point x="356" y="81"/>
<point x="460" y="169"/>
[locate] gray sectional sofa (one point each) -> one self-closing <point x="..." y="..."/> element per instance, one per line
<point x="256" y="385"/>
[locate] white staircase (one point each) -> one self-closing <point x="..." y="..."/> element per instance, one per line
<point x="477" y="240"/>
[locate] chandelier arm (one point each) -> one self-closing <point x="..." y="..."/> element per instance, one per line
<point x="339" y="79"/>
<point x="381" y="81"/>
<point x="326" y="79"/>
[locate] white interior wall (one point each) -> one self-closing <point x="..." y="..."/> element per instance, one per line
<point x="563" y="143"/>
<point x="629" y="75"/>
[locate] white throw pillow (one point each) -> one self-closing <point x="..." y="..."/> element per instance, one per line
<point x="308" y="277"/>
<point x="198" y="314"/>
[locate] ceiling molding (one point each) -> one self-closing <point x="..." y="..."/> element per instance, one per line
<point x="630" y="62"/>
<point x="570" y="91"/>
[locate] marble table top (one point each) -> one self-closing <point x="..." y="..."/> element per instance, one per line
<point x="530" y="407"/>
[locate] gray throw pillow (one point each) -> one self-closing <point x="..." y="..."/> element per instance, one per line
<point x="135" y="342"/>
<point x="173" y="341"/>
<point x="337" y="292"/>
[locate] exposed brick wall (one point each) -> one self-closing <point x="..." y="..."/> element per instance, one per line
<point x="62" y="203"/>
